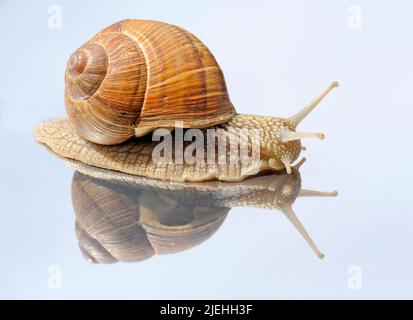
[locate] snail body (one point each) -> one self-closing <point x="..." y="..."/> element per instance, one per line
<point x="135" y="156"/>
<point x="137" y="76"/>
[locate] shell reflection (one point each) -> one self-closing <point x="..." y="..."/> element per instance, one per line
<point x="129" y="219"/>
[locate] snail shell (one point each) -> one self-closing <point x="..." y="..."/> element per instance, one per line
<point x="137" y="75"/>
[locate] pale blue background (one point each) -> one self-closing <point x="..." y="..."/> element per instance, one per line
<point x="276" y="56"/>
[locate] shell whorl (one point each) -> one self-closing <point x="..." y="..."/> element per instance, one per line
<point x="86" y="70"/>
<point x="107" y="96"/>
<point x="144" y="74"/>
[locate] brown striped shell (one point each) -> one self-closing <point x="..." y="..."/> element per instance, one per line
<point x="138" y="75"/>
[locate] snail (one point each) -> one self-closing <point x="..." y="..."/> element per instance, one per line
<point x="137" y="76"/>
<point x="127" y="218"/>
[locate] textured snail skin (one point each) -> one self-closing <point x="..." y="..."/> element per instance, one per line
<point x="127" y="218"/>
<point x="137" y="75"/>
<point x="135" y="156"/>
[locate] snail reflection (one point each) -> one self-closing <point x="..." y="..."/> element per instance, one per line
<point x="125" y="218"/>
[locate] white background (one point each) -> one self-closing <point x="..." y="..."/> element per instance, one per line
<point x="276" y="56"/>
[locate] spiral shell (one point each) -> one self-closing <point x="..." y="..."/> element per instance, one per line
<point x="145" y="75"/>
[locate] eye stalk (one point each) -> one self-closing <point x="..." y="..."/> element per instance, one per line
<point x="77" y="63"/>
<point x="288" y="135"/>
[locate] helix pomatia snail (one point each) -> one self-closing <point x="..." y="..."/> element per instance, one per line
<point x="120" y="217"/>
<point x="136" y="76"/>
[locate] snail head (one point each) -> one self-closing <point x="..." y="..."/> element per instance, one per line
<point x="286" y="134"/>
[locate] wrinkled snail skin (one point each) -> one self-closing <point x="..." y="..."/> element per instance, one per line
<point x="129" y="218"/>
<point x="136" y="156"/>
<point x="136" y="76"/>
